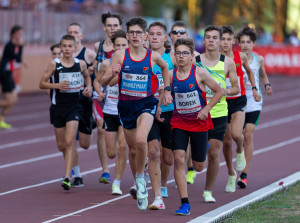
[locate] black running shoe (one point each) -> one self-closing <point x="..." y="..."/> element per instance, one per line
<point x="66" y="184"/>
<point x="77" y="182"/>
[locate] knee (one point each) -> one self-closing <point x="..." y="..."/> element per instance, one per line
<point x="212" y="156"/>
<point x="227" y="143"/>
<point x="199" y="166"/>
<point x="140" y="144"/>
<point x="168" y="160"/>
<point x="153" y="154"/>
<point x="179" y="160"/>
<point x="61" y="147"/>
<point x="236" y="137"/>
<point x="111" y="153"/>
<point x="84" y="145"/>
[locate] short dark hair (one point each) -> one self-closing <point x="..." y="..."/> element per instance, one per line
<point x="227" y="29"/>
<point x="56" y="45"/>
<point x="107" y="15"/>
<point x="67" y="37"/>
<point x="75" y="24"/>
<point x="160" y="24"/>
<point x="15" y="29"/>
<point x="212" y="28"/>
<point x="247" y="31"/>
<point x="179" y="24"/>
<point x="118" y="34"/>
<point x="137" y="21"/>
<point x="187" y="42"/>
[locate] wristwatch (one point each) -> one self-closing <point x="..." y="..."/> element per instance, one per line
<point x="168" y="88"/>
<point x="254" y="87"/>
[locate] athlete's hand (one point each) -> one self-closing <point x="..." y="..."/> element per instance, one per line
<point x="157" y="115"/>
<point x="203" y="114"/>
<point x="269" y="90"/>
<point x="167" y="98"/>
<point x="101" y="96"/>
<point x="256" y="95"/>
<point x="116" y="70"/>
<point x="87" y="92"/>
<point x="63" y="85"/>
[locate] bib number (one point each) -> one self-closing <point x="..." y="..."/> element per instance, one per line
<point x="134" y="84"/>
<point x="74" y="80"/>
<point x="187" y="102"/>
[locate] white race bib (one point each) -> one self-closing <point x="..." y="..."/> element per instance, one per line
<point x="134" y="84"/>
<point x="74" y="80"/>
<point x="187" y="102"/>
<point x="113" y="93"/>
<point x="210" y="93"/>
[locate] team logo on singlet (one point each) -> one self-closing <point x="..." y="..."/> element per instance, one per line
<point x="237" y="65"/>
<point x="146" y="70"/>
<point x="191" y="86"/>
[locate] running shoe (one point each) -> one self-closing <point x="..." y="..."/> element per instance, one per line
<point x="191" y="174"/>
<point x="164" y="192"/>
<point x="66" y="184"/>
<point x="242" y="182"/>
<point x="142" y="193"/>
<point x="105" y="178"/>
<point x="240" y="161"/>
<point x="133" y="191"/>
<point x="230" y="187"/>
<point x="157" y="204"/>
<point x="77" y="182"/>
<point x="208" y="198"/>
<point x="184" y="209"/>
<point x="4" y="125"/>
<point x="146" y="172"/>
<point x="116" y="190"/>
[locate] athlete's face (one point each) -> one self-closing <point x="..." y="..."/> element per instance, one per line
<point x="67" y="48"/>
<point x="156" y="37"/>
<point x="183" y="55"/>
<point x="120" y="44"/>
<point x="135" y="35"/>
<point x="246" y="44"/>
<point x="226" y="42"/>
<point x="76" y="32"/>
<point x="178" y="32"/>
<point x="212" y="40"/>
<point x="56" y="53"/>
<point x="111" y="26"/>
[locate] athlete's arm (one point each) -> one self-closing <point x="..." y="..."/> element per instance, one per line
<point x="90" y="59"/>
<point x="44" y="84"/>
<point x="231" y="70"/>
<point x="96" y="46"/>
<point x="263" y="76"/>
<point x="250" y="75"/>
<point x="88" y="91"/>
<point x="104" y="65"/>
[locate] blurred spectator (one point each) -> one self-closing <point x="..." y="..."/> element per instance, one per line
<point x="5" y="4"/>
<point x="199" y="37"/>
<point x="293" y="39"/>
<point x="263" y="38"/>
<point x="277" y="38"/>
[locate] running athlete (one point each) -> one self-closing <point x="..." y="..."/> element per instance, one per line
<point x="160" y="131"/>
<point x="55" y="51"/>
<point x="137" y="104"/>
<point x="236" y="108"/>
<point x="114" y="134"/>
<point x="65" y="110"/>
<point x="191" y="119"/>
<point x="246" y="38"/>
<point x="218" y="66"/>
<point x="12" y="56"/>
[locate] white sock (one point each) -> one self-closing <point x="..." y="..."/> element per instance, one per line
<point x="77" y="171"/>
<point x="117" y="182"/>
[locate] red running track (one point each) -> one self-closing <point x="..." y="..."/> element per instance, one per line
<point x="31" y="168"/>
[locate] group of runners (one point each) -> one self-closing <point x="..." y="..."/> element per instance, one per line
<point x="165" y="102"/>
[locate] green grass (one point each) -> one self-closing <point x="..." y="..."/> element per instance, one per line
<point x="281" y="207"/>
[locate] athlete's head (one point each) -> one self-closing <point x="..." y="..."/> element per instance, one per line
<point x="75" y="29"/>
<point x="247" y="37"/>
<point x="184" y="51"/>
<point x="16" y="34"/>
<point x="67" y="45"/>
<point x="111" y="23"/>
<point x="212" y="36"/>
<point x="227" y="39"/>
<point x="55" y="51"/>
<point x="178" y="31"/>
<point x="136" y="31"/>
<point x="119" y="40"/>
<point x="157" y="35"/>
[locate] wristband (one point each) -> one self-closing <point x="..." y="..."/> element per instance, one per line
<point x="267" y="85"/>
<point x="254" y="87"/>
<point x="168" y="88"/>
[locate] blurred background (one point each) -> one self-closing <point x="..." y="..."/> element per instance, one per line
<point x="277" y="23"/>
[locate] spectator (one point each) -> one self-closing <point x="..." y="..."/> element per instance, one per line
<point x="293" y="39"/>
<point x="263" y="38"/>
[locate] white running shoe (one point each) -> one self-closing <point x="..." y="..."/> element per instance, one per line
<point x="116" y="190"/>
<point x="230" y="187"/>
<point x="240" y="161"/>
<point x="133" y="191"/>
<point x="141" y="193"/>
<point x="208" y="198"/>
<point x="157" y="204"/>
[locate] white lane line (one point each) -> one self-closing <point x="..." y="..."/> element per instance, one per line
<point x="278" y="122"/>
<point x="279" y="106"/>
<point x="225" y="210"/>
<point x="29" y="141"/>
<point x="32" y="115"/>
<point x="28" y="128"/>
<point x="275" y="146"/>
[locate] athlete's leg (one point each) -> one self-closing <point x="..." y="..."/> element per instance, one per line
<point x="111" y="144"/>
<point x="248" y="144"/>
<point x="227" y="150"/>
<point x="121" y="158"/>
<point x="101" y="145"/>
<point x="154" y="167"/>
<point x="166" y="161"/>
<point x="130" y="136"/>
<point x="9" y="100"/>
<point x="237" y="123"/>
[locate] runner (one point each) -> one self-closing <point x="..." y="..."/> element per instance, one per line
<point x="236" y="108"/>
<point x="246" y="38"/>
<point x="113" y="129"/>
<point x="65" y="110"/>
<point x="191" y="119"/>
<point x="12" y="56"/>
<point x="218" y="65"/>
<point x="137" y="104"/>
<point x="55" y="51"/>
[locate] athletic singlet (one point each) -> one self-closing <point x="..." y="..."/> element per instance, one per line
<point x="189" y="99"/>
<point x="218" y="73"/>
<point x="80" y="56"/>
<point x="240" y="74"/>
<point x="156" y="70"/>
<point x="253" y="105"/>
<point x="136" y="79"/>
<point x="111" y="99"/>
<point x="102" y="55"/>
<point x="72" y="75"/>
<point x="11" y="58"/>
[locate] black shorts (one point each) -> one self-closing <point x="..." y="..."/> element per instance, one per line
<point x="198" y="140"/>
<point x="7" y="81"/>
<point x="235" y="105"/>
<point x="60" y="115"/>
<point x="252" y="117"/>
<point x="219" y="129"/>
<point x="86" y="122"/>
<point x="162" y="130"/>
<point x="111" y="122"/>
<point x="129" y="111"/>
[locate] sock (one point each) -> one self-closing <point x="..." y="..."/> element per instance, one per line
<point x="243" y="175"/>
<point x="139" y="175"/>
<point x="184" y="200"/>
<point x="208" y="191"/>
<point x="191" y="169"/>
<point x="77" y="171"/>
<point x="117" y="182"/>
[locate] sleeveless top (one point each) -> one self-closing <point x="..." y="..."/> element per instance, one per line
<point x="217" y="72"/>
<point x="73" y="76"/>
<point x="156" y="70"/>
<point x="240" y="75"/>
<point x="102" y="55"/>
<point x="253" y="105"/>
<point x="189" y="99"/>
<point x="136" y="79"/>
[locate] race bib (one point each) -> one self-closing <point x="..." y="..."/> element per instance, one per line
<point x="228" y="86"/>
<point x="134" y="84"/>
<point x="160" y="83"/>
<point x="187" y="102"/>
<point x="74" y="80"/>
<point x="113" y="93"/>
<point x="210" y="93"/>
